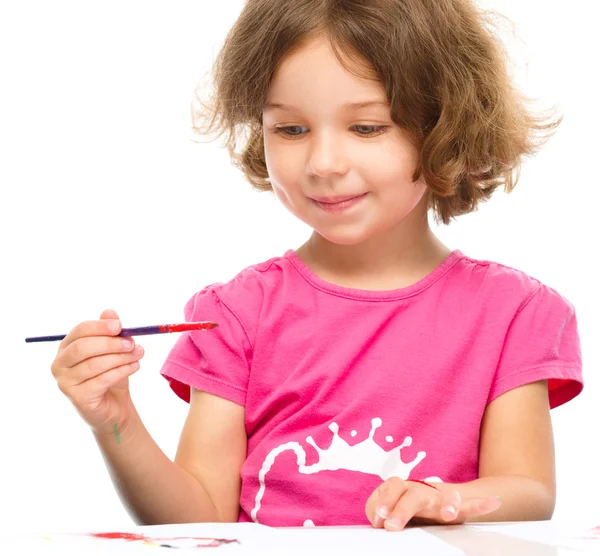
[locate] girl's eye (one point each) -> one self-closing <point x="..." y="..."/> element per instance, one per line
<point x="370" y="130"/>
<point x="290" y="131"/>
<point x="296" y="131"/>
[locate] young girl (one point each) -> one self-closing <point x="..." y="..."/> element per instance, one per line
<point x="373" y="375"/>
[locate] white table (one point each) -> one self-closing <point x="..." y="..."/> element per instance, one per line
<point x="547" y="538"/>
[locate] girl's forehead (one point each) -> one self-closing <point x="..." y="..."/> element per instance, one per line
<point x="315" y="67"/>
<point x="318" y="55"/>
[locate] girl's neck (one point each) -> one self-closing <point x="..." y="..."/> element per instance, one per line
<point x="377" y="264"/>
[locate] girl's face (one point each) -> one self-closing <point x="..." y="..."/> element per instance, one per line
<point x="329" y="136"/>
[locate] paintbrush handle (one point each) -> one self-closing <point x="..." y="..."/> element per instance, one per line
<point x="46" y="338"/>
<point x="143" y="330"/>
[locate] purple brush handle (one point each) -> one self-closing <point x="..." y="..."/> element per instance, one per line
<point x="141" y="331"/>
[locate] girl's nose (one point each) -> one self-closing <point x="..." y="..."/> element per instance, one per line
<point x="326" y="156"/>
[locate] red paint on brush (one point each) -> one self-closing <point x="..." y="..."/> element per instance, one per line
<point x="186" y="326"/>
<point x="191" y="326"/>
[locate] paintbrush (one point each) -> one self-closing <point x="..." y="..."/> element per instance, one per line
<point x="141" y="331"/>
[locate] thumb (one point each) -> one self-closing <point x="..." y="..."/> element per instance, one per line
<point x="109" y="314"/>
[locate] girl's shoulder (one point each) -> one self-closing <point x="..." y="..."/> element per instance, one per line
<point x="236" y="303"/>
<point x="496" y="270"/>
<point x="256" y="278"/>
<point x="247" y="290"/>
<point x="503" y="282"/>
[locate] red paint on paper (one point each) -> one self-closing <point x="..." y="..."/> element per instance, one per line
<point x="122" y="536"/>
<point x="201" y="542"/>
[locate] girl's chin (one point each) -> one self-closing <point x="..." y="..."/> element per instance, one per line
<point x="342" y="237"/>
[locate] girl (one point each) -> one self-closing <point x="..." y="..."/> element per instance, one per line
<point x="373" y="375"/>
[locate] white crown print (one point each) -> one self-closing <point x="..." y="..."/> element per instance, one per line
<point x="365" y="457"/>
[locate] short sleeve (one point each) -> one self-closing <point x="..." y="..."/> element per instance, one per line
<point x="216" y="361"/>
<point x="542" y="343"/>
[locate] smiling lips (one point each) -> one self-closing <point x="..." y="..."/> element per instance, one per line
<point x="338" y="204"/>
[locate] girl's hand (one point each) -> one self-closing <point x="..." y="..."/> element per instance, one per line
<point x="395" y="502"/>
<point x="92" y="367"/>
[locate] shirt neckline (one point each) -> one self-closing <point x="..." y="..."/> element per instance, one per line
<point x="359" y="294"/>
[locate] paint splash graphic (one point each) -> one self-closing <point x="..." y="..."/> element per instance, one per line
<point x="366" y="457"/>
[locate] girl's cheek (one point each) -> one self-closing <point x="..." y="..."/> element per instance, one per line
<point x="284" y="167"/>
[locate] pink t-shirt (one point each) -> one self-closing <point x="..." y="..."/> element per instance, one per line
<point x="344" y="388"/>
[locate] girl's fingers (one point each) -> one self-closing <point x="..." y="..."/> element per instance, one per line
<point x="96" y="387"/>
<point x="449" y="507"/>
<point x="85" y="348"/>
<point x="414" y="501"/>
<point x="96" y="366"/>
<point x="102" y="327"/>
<point x="384" y="499"/>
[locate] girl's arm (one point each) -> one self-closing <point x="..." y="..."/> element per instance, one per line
<point x="516" y="457"/>
<point x="516" y="464"/>
<point x="202" y="485"/>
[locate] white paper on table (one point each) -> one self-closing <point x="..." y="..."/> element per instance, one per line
<point x="576" y="536"/>
<point x="253" y="539"/>
<point x="362" y="540"/>
<point x="263" y="540"/>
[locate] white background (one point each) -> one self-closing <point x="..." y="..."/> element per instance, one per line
<point x="106" y="202"/>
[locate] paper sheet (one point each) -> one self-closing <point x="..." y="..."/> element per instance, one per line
<point x="362" y="540"/>
<point x="527" y="538"/>
<point x="246" y="538"/>
<point x="253" y="539"/>
<point x="580" y="536"/>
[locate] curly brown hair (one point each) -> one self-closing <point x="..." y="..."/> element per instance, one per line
<point x="444" y="70"/>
